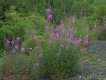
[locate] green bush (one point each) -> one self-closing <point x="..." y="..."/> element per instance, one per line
<point x="59" y="62"/>
<point x="54" y="62"/>
<point x="17" y="24"/>
<point x="13" y="24"/>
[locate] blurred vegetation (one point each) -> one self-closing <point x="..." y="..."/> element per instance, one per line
<point x="61" y="8"/>
<point x="28" y="19"/>
<point x="51" y="61"/>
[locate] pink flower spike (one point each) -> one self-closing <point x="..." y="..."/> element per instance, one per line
<point x="76" y="41"/>
<point x="50" y="17"/>
<point x="56" y="34"/>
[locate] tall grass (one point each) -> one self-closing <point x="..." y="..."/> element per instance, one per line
<point x="51" y="61"/>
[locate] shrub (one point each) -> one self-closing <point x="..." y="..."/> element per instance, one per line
<point x="23" y="26"/>
<point x="59" y="62"/>
<point x="12" y="25"/>
<point x="53" y="61"/>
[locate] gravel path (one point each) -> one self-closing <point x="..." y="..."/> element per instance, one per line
<point x="91" y="72"/>
<point x="98" y="47"/>
<point x="97" y="70"/>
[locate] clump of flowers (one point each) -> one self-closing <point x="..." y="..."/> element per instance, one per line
<point x="67" y="34"/>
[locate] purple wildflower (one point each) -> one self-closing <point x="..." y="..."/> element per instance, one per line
<point x="76" y="41"/>
<point x="49" y="14"/>
<point x="56" y="34"/>
<point x="50" y="17"/>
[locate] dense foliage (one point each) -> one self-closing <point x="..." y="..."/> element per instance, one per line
<point x="73" y="21"/>
<point x="54" y="62"/>
<point x="61" y="8"/>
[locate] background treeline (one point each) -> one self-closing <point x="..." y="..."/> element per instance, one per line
<point x="60" y="7"/>
<point x="13" y="13"/>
